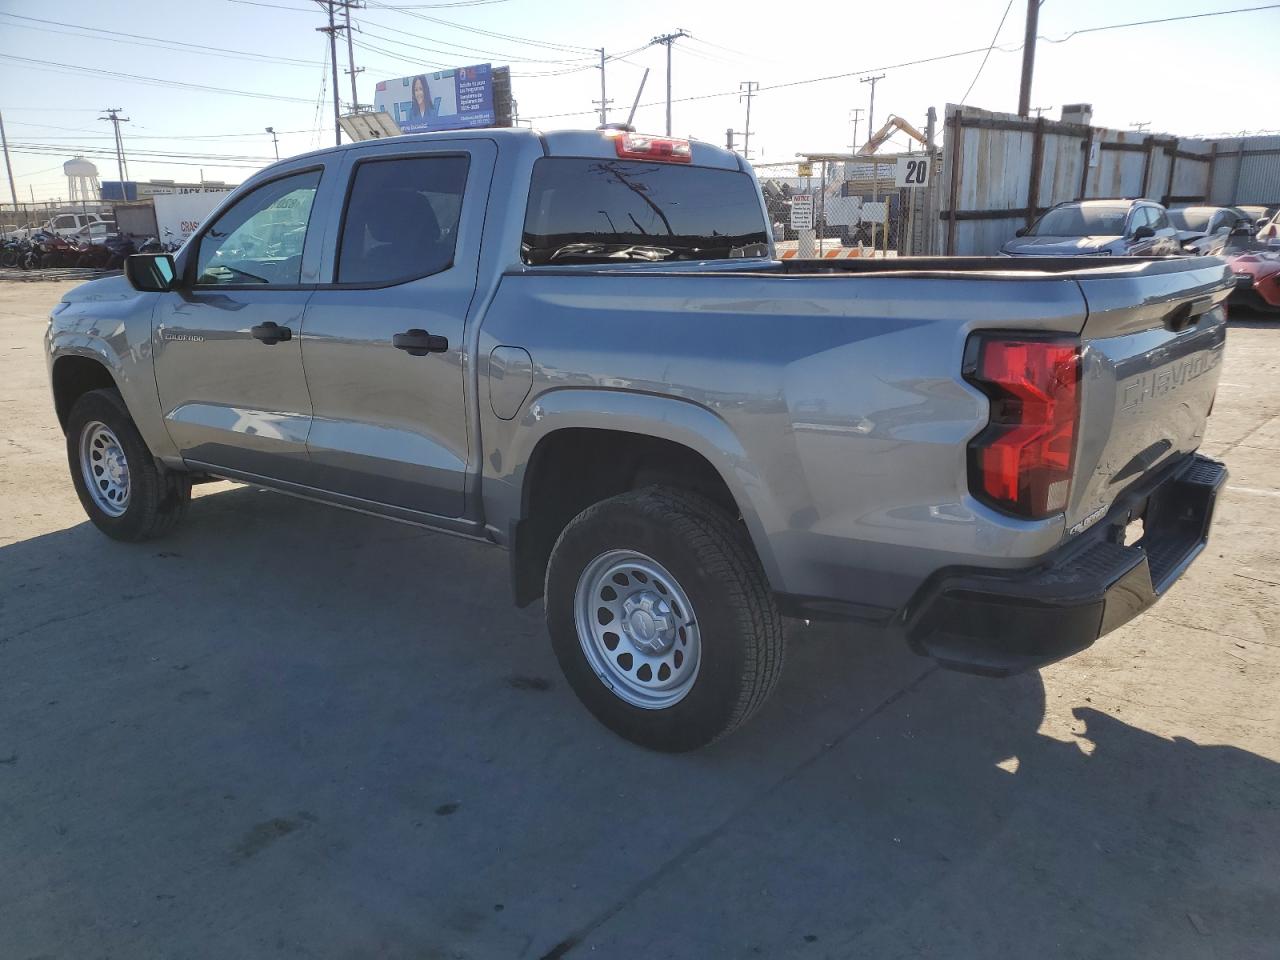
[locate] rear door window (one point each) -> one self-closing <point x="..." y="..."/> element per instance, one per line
<point x="585" y="210"/>
<point x="401" y="221"/>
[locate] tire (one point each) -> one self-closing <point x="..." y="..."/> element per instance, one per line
<point x="100" y="432"/>
<point x="665" y="544"/>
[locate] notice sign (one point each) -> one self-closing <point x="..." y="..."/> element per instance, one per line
<point x="912" y="172"/>
<point x="802" y="211"/>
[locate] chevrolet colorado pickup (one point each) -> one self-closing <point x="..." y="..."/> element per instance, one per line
<point x="580" y="347"/>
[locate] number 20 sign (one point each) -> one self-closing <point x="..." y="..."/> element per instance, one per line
<point x="913" y="171"/>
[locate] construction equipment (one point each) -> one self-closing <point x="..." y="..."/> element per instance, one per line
<point x="893" y="124"/>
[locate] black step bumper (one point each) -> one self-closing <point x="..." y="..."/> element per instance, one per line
<point x="999" y="622"/>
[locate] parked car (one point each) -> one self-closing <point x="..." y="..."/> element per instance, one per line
<point x="69" y="224"/>
<point x="1269" y="230"/>
<point x="96" y="232"/>
<point x="1204" y="231"/>
<point x="1098" y="228"/>
<point x="1258" y="213"/>
<point x="580" y="347"/>
<point x="1257" y="279"/>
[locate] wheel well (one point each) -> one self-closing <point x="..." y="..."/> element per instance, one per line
<point x="574" y="468"/>
<point x="73" y="377"/>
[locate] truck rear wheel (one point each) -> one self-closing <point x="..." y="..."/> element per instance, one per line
<point x="122" y="489"/>
<point x="661" y="618"/>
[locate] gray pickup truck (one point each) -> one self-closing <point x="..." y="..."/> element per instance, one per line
<point x="580" y="347"/>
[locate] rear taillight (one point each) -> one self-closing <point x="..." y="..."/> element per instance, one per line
<point x="639" y="146"/>
<point x="1022" y="463"/>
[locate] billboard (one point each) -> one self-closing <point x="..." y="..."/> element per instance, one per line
<point x="447" y="100"/>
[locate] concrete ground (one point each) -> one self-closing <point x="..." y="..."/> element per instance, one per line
<point x="293" y="731"/>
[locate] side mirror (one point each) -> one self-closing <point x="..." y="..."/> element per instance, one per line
<point x="150" y="272"/>
<point x="1144" y="233"/>
<point x="1260" y="223"/>
<point x="1020" y="232"/>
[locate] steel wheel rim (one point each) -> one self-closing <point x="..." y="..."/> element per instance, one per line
<point x="105" y="468"/>
<point x="648" y="648"/>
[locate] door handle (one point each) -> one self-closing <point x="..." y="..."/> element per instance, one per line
<point x="418" y="343"/>
<point x="270" y="333"/>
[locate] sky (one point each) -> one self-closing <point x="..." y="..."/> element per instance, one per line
<point x="250" y="64"/>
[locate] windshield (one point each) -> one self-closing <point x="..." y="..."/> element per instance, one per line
<point x="607" y="211"/>
<point x="1191" y="219"/>
<point x="1077" y="221"/>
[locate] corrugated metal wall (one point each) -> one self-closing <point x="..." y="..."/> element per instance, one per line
<point x="1247" y="171"/>
<point x="991" y="172"/>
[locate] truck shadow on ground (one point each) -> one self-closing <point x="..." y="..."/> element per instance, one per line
<point x="337" y="732"/>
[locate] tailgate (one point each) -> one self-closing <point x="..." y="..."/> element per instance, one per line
<point x="1153" y="345"/>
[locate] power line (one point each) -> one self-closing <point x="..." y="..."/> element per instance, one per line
<point x="159" y="42"/>
<point x="904" y="64"/>
<point x="364" y="27"/>
<point x="1145" y="23"/>
<point x="63" y="149"/>
<point x="150" y="81"/>
<point x="230" y="164"/>
<point x="529" y="41"/>
<point x="456" y="3"/>
<point x="987" y="56"/>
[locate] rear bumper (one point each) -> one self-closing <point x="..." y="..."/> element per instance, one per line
<point x="999" y="622"/>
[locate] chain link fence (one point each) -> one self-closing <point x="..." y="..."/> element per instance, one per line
<point x="32" y="216"/>
<point x="849" y="207"/>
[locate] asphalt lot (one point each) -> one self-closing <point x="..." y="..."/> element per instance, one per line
<point x="293" y="731"/>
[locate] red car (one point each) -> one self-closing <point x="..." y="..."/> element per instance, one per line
<point x="1257" y="279"/>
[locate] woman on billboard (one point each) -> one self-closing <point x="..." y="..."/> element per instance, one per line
<point x="423" y="107"/>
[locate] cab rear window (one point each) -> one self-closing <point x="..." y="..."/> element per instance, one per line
<point x="585" y="210"/>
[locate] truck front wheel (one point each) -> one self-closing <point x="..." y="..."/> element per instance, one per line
<point x="661" y="618"/>
<point x="122" y="489"/>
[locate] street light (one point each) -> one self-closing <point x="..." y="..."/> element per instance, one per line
<point x="274" y="141"/>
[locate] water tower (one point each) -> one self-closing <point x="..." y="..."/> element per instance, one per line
<point x="82" y="180"/>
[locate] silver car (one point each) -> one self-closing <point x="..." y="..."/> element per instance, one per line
<point x="1205" y="231"/>
<point x="1098" y="228"/>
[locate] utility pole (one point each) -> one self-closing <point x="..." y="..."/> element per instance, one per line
<point x="751" y="87"/>
<point x="854" y="114"/>
<point x="274" y="140"/>
<point x="352" y="69"/>
<point x="332" y="30"/>
<point x="1028" y="57"/>
<point x="1040" y="111"/>
<point x="871" y="108"/>
<point x="1140" y="125"/>
<point x="113" y="114"/>
<point x="604" y="101"/>
<point x="13" y="187"/>
<point x="667" y="39"/>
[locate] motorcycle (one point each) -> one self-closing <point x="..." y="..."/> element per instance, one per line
<point x="118" y="248"/>
<point x="93" y="255"/>
<point x="37" y="246"/>
<point x="58" y="252"/>
<point x="12" y="251"/>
